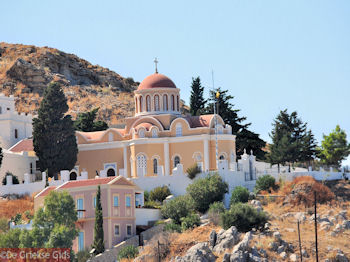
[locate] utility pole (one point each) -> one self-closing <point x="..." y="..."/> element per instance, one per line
<point x="216" y="124"/>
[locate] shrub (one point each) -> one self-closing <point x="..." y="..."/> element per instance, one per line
<point x="239" y="195"/>
<point x="191" y="221"/>
<point x="82" y="256"/>
<point x="215" y="211"/>
<point x="159" y="246"/>
<point x="152" y="204"/>
<point x="244" y="217"/>
<point x="265" y="182"/>
<point x="146" y="195"/>
<point x="206" y="191"/>
<point x="128" y="252"/>
<point x="177" y="208"/>
<point x="4" y="225"/>
<point x="172" y="227"/>
<point x="159" y="193"/>
<point x="14" y="179"/>
<point x="193" y="171"/>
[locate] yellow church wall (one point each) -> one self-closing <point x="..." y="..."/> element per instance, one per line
<point x="151" y="151"/>
<point x="224" y="146"/>
<point x="94" y="159"/>
<point x="185" y="151"/>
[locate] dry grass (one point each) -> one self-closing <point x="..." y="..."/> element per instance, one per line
<point x="9" y="208"/>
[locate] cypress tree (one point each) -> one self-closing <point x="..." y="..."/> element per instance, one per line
<point x="53" y="133"/>
<point x="86" y="122"/>
<point x="197" y="101"/>
<point x="98" y="230"/>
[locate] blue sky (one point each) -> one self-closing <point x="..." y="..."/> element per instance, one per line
<point x="271" y="55"/>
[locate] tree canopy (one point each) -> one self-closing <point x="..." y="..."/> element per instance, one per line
<point x="197" y="101"/>
<point x="245" y="139"/>
<point x="291" y="140"/>
<point x="86" y="122"/>
<point x="334" y="147"/>
<point x="53" y="132"/>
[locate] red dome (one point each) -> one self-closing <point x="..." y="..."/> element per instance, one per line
<point x="156" y="81"/>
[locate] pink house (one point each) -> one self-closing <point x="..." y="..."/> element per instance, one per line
<point x="119" y="200"/>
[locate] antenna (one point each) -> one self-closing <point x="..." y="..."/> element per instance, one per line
<point x="216" y="123"/>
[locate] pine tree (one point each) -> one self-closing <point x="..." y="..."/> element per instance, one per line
<point x="197" y="101"/>
<point x="291" y="140"/>
<point x="334" y="147"/>
<point x="98" y="244"/>
<point x="53" y="133"/>
<point x="245" y="139"/>
<point x="86" y="122"/>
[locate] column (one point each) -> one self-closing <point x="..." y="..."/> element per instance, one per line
<point x="125" y="158"/>
<point x="166" y="158"/>
<point x="206" y="154"/>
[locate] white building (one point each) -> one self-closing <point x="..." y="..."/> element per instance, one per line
<point x="14" y="126"/>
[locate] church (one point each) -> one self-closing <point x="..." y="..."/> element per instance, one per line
<point x="157" y="140"/>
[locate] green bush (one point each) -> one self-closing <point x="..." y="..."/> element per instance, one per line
<point x="4" y="225"/>
<point x="190" y="221"/>
<point x="265" y="182"/>
<point x="14" y="179"/>
<point x="172" y="227"/>
<point x="152" y="204"/>
<point x="128" y="252"/>
<point x="82" y="256"/>
<point x="177" y="208"/>
<point x="215" y="211"/>
<point x="193" y="171"/>
<point x="159" y="193"/>
<point x="244" y="217"/>
<point x="239" y="195"/>
<point x="206" y="191"/>
<point x="146" y="195"/>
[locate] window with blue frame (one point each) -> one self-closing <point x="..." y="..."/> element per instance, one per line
<point x="128" y="201"/>
<point x="116" y="201"/>
<point x="80" y="207"/>
<point x="94" y="202"/>
<point x="81" y="241"/>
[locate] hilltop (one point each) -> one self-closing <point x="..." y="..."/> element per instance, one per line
<point x="25" y="71"/>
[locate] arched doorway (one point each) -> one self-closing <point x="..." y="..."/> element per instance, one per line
<point x="110" y="172"/>
<point x="73" y="176"/>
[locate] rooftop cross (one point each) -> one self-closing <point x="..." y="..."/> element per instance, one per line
<point x="156" y="62"/>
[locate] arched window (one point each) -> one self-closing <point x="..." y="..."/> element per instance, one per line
<point x="176" y="161"/>
<point x="73" y="176"/>
<point x="172" y="103"/>
<point x="136" y="105"/>
<point x="155" y="166"/>
<point x="148" y="103"/>
<point x="178" y="103"/>
<point x="110" y="137"/>
<point x="141" y="104"/>
<point x="222" y="157"/>
<point x="141" y="165"/>
<point x="141" y="133"/>
<point x="110" y="172"/>
<point x="156" y="103"/>
<point x="165" y="102"/>
<point x="178" y="129"/>
<point x="154" y="133"/>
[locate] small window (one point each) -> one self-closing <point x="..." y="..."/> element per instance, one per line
<point x="154" y="133"/>
<point x="31" y="168"/>
<point x="155" y="166"/>
<point x="110" y="172"/>
<point x="141" y="133"/>
<point x="116" y="201"/>
<point x="148" y="103"/>
<point x="178" y="129"/>
<point x="172" y="103"/>
<point x="81" y="241"/>
<point x="165" y="103"/>
<point x="94" y="202"/>
<point x="80" y="206"/>
<point x="177" y="103"/>
<point x="176" y="161"/>
<point x="73" y="176"/>
<point x="16" y="133"/>
<point x="116" y="230"/>
<point x="156" y="102"/>
<point x="222" y="157"/>
<point x="141" y="104"/>
<point x="128" y="201"/>
<point x="128" y="230"/>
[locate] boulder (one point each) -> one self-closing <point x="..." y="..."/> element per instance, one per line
<point x="304" y="253"/>
<point x="226" y="257"/>
<point x="293" y="257"/>
<point x="346" y="224"/>
<point x="226" y="240"/>
<point x="277" y="236"/>
<point x="244" y="244"/>
<point x="212" y="239"/>
<point x="283" y="255"/>
<point x="340" y="257"/>
<point x="239" y="256"/>
<point x="199" y="253"/>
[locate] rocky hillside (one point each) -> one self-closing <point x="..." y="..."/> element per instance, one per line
<point x="25" y="71"/>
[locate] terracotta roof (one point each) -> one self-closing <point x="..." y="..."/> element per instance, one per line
<point x="92" y="135"/>
<point x="199" y="121"/>
<point x="156" y="81"/>
<point x="96" y="181"/>
<point x="46" y="191"/>
<point x="23" y="145"/>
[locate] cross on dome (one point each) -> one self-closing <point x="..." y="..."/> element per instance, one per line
<point x="156" y="62"/>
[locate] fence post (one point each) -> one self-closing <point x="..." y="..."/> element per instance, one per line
<point x="301" y="255"/>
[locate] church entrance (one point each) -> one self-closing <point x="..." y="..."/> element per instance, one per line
<point x="110" y="172"/>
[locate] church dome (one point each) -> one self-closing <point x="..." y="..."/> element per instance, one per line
<point x="156" y="81"/>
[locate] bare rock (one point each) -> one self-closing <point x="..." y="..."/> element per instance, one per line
<point x="199" y="253"/>
<point x="283" y="255"/>
<point x="212" y="239"/>
<point x="244" y="244"/>
<point x="293" y="257"/>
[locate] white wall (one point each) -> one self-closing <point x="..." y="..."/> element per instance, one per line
<point x="145" y="215"/>
<point x="17" y="163"/>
